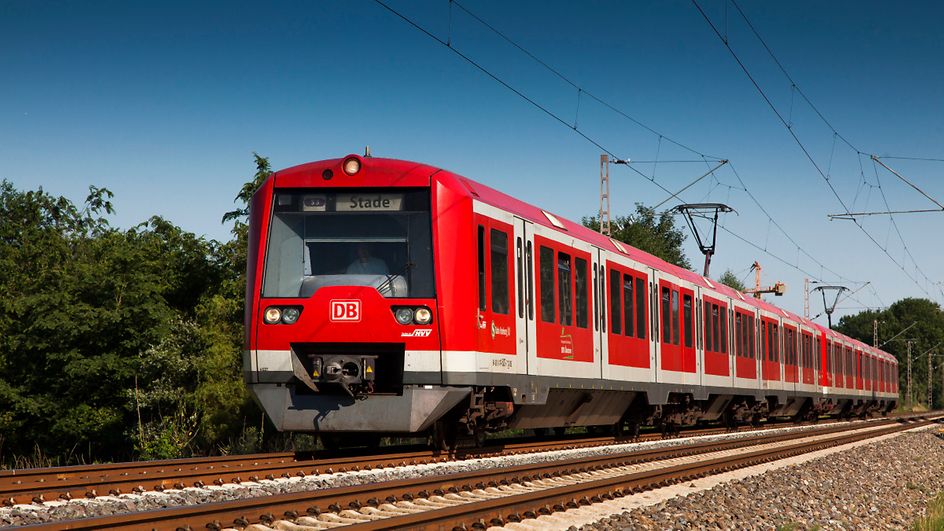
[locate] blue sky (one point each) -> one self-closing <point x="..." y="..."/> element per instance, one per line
<point x="163" y="103"/>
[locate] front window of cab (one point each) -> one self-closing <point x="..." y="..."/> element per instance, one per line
<point x="350" y="238"/>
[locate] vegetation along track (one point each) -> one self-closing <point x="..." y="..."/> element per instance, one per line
<point x="496" y="495"/>
<point x="38" y="485"/>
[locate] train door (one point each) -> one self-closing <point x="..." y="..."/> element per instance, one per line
<point x="598" y="310"/>
<point x="625" y="289"/>
<point x="676" y="326"/>
<point x="770" y="345"/>
<point x="564" y="334"/>
<point x="715" y="317"/>
<point x="524" y="291"/>
<point x="496" y="330"/>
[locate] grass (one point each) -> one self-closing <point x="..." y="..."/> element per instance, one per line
<point x="934" y="521"/>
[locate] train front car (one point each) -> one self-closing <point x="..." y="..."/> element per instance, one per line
<point x="342" y="321"/>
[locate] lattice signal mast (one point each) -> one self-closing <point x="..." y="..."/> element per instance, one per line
<point x="604" y="215"/>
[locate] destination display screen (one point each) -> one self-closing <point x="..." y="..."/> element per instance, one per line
<point x="403" y="200"/>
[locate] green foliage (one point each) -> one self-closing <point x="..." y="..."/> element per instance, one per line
<point x="927" y="338"/>
<point x="934" y="518"/>
<point x="645" y="230"/>
<point x="728" y="278"/>
<point x="118" y="344"/>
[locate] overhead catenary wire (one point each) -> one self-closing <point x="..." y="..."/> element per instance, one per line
<point x="791" y="131"/>
<point x="661" y="136"/>
<point x="574" y="126"/>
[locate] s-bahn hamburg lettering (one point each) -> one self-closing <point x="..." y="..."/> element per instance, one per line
<point x="425" y="299"/>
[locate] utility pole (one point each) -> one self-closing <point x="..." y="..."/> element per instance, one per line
<point x="806" y="297"/>
<point x="875" y="333"/>
<point x="908" y="387"/>
<point x="604" y="215"/>
<point x="930" y="357"/>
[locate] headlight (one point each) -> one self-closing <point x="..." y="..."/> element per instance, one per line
<point x="290" y="315"/>
<point x="352" y="166"/>
<point x="273" y="315"/>
<point x="404" y="316"/>
<point x="422" y="316"/>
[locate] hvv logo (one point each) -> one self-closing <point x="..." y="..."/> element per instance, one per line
<point x="345" y="310"/>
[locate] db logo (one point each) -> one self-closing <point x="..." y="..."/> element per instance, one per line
<point x="346" y="310"/>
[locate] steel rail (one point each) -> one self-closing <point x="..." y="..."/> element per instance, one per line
<point x="266" y="509"/>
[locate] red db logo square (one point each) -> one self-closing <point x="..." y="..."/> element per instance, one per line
<point x="346" y="310"/>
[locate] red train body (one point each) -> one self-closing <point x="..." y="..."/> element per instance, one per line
<point x="387" y="296"/>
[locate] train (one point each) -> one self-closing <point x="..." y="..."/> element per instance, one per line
<point x="393" y="298"/>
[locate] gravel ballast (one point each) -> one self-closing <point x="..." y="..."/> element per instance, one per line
<point x="149" y="500"/>
<point x="882" y="485"/>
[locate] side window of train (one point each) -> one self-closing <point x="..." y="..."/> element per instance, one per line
<point x="640" y="308"/>
<point x="738" y="335"/>
<point x="565" y="300"/>
<point x="596" y="298"/>
<point x="580" y="281"/>
<point x="529" y="259"/>
<point x="675" y="317"/>
<point x="481" y="267"/>
<point x="715" y="329"/>
<point x="615" y="300"/>
<point x="499" y="258"/>
<point x="764" y="343"/>
<point x="547" y="284"/>
<point x="687" y="318"/>
<point x="666" y="317"/>
<point x="724" y="330"/>
<point x="753" y="338"/>
<point x="519" y="256"/>
<point x="707" y="319"/>
<point x="628" y="308"/>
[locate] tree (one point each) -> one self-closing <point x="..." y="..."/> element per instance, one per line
<point x="728" y="278"/>
<point x="926" y="334"/>
<point x="655" y="234"/>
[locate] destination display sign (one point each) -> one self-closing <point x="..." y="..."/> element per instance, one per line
<point x="368" y="202"/>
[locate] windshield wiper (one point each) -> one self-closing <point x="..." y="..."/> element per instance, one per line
<point x="388" y="283"/>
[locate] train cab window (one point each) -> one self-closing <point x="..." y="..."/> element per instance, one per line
<point x="519" y="255"/>
<point x="564" y="299"/>
<point x="675" y="316"/>
<point x="687" y="318"/>
<point x="615" y="301"/>
<point x="499" y="258"/>
<point x="640" y="308"/>
<point x="580" y="283"/>
<point x="376" y="238"/>
<point x="481" y="267"/>
<point x="666" y="316"/>
<point x="724" y="330"/>
<point x="547" y="284"/>
<point x="628" y="308"/>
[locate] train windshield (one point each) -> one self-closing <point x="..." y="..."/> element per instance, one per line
<point x="378" y="238"/>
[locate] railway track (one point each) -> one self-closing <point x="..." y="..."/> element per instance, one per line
<point x="40" y="485"/>
<point x="492" y="496"/>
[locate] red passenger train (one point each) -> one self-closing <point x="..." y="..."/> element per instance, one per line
<point x="392" y="297"/>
